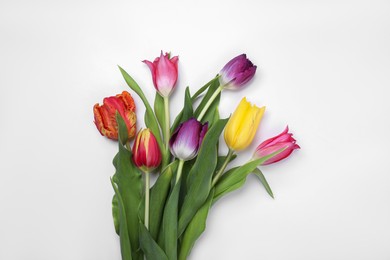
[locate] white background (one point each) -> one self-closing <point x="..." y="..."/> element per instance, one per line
<point x="323" y="69"/>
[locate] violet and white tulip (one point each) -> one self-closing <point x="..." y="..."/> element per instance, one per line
<point x="187" y="139"/>
<point x="237" y="72"/>
<point x="282" y="141"/>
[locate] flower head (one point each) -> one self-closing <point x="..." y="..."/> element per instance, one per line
<point x="237" y="72"/>
<point x="164" y="73"/>
<point x="242" y="125"/>
<point x="186" y="140"/>
<point x="105" y="115"/>
<point x="282" y="141"/>
<point x="146" y="152"/>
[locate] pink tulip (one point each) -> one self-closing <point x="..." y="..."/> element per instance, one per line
<point x="164" y="73"/>
<point x="282" y="141"/>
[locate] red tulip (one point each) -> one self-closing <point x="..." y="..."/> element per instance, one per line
<point x="164" y="73"/>
<point x="146" y="152"/>
<point x="283" y="140"/>
<point x="105" y="115"/>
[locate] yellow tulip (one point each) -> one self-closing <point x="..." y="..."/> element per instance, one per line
<point x="242" y="125"/>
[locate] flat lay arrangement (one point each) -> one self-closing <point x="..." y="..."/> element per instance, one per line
<point x="163" y="220"/>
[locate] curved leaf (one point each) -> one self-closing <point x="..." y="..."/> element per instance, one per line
<point x="211" y="110"/>
<point x="169" y="225"/>
<point x="150" y="119"/>
<point x="236" y="177"/>
<point x="129" y="182"/>
<point x="186" y="113"/>
<point x="150" y="248"/>
<point x="115" y="213"/>
<point x="158" y="196"/>
<point x="195" y="228"/>
<point x="263" y="181"/>
<point x="199" y="178"/>
<point x="123" y="230"/>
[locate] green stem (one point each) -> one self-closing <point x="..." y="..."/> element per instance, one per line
<point x="209" y="102"/>
<point x="167" y="133"/>
<point x="220" y="171"/>
<point x="179" y="170"/>
<point x="147" y="187"/>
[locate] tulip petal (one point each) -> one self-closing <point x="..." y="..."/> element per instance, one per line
<point x="152" y="70"/>
<point x="235" y="121"/>
<point x="272" y="140"/>
<point x="248" y="129"/>
<point x="185" y="141"/>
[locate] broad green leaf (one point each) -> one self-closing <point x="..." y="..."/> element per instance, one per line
<point x="150" y="119"/>
<point x="235" y="177"/>
<point x="158" y="196"/>
<point x="195" y="228"/>
<point x="115" y="213"/>
<point x="129" y="181"/>
<point x="150" y="248"/>
<point x="263" y="181"/>
<point x="199" y="178"/>
<point x="123" y="230"/>
<point x="169" y="226"/>
<point x="187" y="111"/>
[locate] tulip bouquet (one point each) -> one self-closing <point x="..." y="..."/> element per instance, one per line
<point x="164" y="221"/>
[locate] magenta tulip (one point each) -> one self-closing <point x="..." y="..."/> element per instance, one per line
<point x="164" y="73"/>
<point x="282" y="141"/>
<point x="237" y="72"/>
<point x="186" y="140"/>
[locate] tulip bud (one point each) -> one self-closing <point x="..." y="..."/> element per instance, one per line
<point x="105" y="115"/>
<point x="242" y="125"/>
<point x="282" y="141"/>
<point x="146" y="152"/>
<point x="164" y="73"/>
<point x="237" y="72"/>
<point x="186" y="140"/>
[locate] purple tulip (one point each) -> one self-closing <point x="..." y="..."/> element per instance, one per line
<point x="282" y="141"/>
<point x="237" y="72"/>
<point x="186" y="140"/>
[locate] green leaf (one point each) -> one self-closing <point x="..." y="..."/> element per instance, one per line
<point x="211" y="111"/>
<point x="158" y="196"/>
<point x="123" y="230"/>
<point x="159" y="110"/>
<point x="263" y="181"/>
<point x="187" y="111"/>
<point x="236" y="177"/>
<point x="149" y="246"/>
<point x="195" y="228"/>
<point x="169" y="227"/>
<point x="115" y="213"/>
<point x="203" y="89"/>
<point x="129" y="181"/>
<point x="150" y="119"/>
<point x="212" y="114"/>
<point x="221" y="160"/>
<point x="199" y="178"/>
<point x="178" y="118"/>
